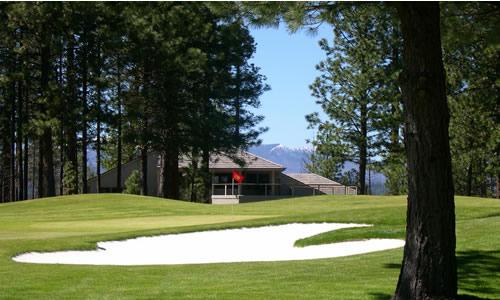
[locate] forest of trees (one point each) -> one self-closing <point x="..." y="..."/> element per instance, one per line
<point x="122" y="79"/>
<point x="359" y="91"/>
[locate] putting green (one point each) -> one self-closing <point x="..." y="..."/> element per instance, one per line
<point x="55" y="229"/>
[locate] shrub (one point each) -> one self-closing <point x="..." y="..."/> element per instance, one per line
<point x="133" y="183"/>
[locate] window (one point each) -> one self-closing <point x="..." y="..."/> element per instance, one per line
<point x="251" y="178"/>
<point x="264" y="178"/>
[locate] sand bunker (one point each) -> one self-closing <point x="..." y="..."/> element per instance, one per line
<point x="269" y="243"/>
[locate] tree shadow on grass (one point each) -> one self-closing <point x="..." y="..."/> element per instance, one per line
<point x="380" y="296"/>
<point x="477" y="273"/>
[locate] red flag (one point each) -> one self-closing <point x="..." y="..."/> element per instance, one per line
<point x="238" y="177"/>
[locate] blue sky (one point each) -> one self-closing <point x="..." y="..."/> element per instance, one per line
<point x="288" y="61"/>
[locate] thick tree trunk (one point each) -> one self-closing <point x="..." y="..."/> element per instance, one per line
<point x="144" y="170"/>
<point x="429" y="265"/>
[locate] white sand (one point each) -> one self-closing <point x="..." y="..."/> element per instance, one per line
<point x="269" y="243"/>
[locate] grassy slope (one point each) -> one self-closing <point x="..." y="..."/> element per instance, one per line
<point x="78" y="222"/>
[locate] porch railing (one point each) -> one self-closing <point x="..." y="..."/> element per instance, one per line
<point x="254" y="189"/>
<point x="318" y="189"/>
<point x="269" y="189"/>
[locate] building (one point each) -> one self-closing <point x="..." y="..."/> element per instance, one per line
<point x="264" y="179"/>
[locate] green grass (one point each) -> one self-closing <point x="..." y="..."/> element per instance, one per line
<point x="78" y="222"/>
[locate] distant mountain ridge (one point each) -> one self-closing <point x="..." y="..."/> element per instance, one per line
<point x="293" y="159"/>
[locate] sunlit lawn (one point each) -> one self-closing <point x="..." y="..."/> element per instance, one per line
<point x="78" y="222"/>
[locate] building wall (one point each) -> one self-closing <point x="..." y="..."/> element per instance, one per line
<point x="292" y="187"/>
<point x="108" y="179"/>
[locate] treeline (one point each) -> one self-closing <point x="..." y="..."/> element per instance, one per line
<point x="124" y="79"/>
<point x="360" y="92"/>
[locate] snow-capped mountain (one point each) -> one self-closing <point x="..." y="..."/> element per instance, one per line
<point x="292" y="158"/>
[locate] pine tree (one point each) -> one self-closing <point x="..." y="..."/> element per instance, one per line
<point x="472" y="64"/>
<point x="349" y="89"/>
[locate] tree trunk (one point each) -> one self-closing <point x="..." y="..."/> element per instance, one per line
<point x="119" y="135"/>
<point x="33" y="171"/>
<point x="498" y="186"/>
<point x="206" y="175"/>
<point x="84" y="113"/>
<point x="98" y="120"/>
<point x="369" y="189"/>
<point x="61" y="157"/>
<point x="12" y="144"/>
<point x="394" y="135"/>
<point x="62" y="117"/>
<point x="27" y="116"/>
<point x="468" y="188"/>
<point x="71" y="152"/>
<point x="6" y="160"/>
<point x="429" y="265"/>
<point x="19" y="140"/>
<point x="169" y="174"/>
<point x="25" y="168"/>
<point x="192" y="178"/>
<point x="162" y="187"/>
<point x="237" y="104"/>
<point x="144" y="170"/>
<point x="363" y="147"/>
<point x="46" y="183"/>
<point x="172" y="172"/>
<point x="98" y="142"/>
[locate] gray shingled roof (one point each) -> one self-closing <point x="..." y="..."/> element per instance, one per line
<point x="311" y="179"/>
<point x="220" y="161"/>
